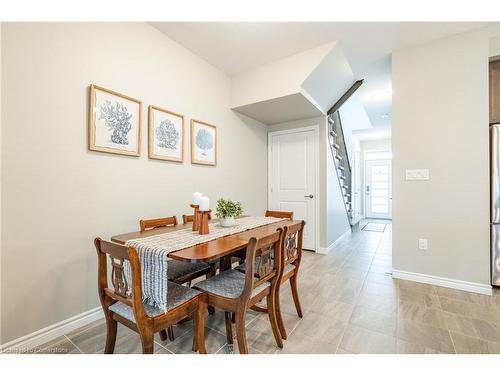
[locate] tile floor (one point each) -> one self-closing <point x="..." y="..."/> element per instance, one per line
<point x="351" y="305"/>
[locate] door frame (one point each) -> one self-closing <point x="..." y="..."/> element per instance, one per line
<point x="270" y="135"/>
<point x="365" y="213"/>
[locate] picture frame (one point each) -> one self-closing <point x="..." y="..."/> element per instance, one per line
<point x="114" y="124"/>
<point x="165" y="134"/>
<point x="203" y="143"/>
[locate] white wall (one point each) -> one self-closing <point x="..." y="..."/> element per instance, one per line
<point x="57" y="196"/>
<point x="280" y="78"/>
<point x="495" y="47"/>
<point x="353" y="118"/>
<point x="333" y="76"/>
<point x="440" y="122"/>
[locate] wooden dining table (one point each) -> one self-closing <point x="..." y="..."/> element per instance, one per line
<point x="222" y="248"/>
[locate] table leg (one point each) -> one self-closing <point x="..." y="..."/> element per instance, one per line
<point x="225" y="263"/>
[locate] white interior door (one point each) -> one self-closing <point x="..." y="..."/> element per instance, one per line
<point x="293" y="157"/>
<point x="378" y="189"/>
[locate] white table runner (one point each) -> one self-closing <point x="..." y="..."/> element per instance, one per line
<point x="153" y="253"/>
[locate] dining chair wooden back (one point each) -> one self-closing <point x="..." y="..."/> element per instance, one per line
<point x="235" y="292"/>
<point x="291" y="255"/>
<point x="292" y="244"/>
<point x="280" y="214"/>
<point x="157" y="223"/>
<point x="267" y="251"/>
<point x="123" y="302"/>
<point x="189" y="218"/>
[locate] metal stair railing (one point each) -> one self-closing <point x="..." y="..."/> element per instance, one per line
<point x="341" y="160"/>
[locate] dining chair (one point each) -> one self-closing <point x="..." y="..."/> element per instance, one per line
<point x="213" y="263"/>
<point x="291" y="255"/>
<point x="123" y="303"/>
<point x="234" y="292"/>
<point x="189" y="218"/>
<point x="177" y="271"/>
<point x="280" y="214"/>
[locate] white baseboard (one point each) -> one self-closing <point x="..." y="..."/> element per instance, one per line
<point x="326" y="250"/>
<point x="53" y="331"/>
<point x="444" y="282"/>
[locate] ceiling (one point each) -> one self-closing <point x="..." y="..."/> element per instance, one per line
<point x="235" y="47"/>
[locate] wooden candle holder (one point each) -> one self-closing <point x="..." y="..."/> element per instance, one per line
<point x="196" y="219"/>
<point x="204" y="221"/>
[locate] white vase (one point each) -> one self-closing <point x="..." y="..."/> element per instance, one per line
<point x="227" y="222"/>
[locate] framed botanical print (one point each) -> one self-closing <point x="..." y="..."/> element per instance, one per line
<point x="114" y="122"/>
<point x="203" y="143"/>
<point x="166" y="134"/>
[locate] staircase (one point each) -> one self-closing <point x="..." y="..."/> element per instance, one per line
<point x="341" y="160"/>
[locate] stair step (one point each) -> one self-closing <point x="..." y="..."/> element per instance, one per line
<point x="342" y="177"/>
<point x="332" y="133"/>
<point x="345" y="187"/>
<point x="341" y="168"/>
<point x="347" y="195"/>
<point x="336" y="146"/>
<point x="338" y="157"/>
<point x="330" y="120"/>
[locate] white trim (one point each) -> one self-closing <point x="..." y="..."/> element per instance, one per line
<point x="444" y="282"/>
<point x="53" y="331"/>
<point x="270" y="134"/>
<point x="326" y="250"/>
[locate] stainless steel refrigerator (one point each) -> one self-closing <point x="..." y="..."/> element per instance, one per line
<point x="495" y="203"/>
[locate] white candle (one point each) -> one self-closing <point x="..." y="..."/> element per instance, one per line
<point x="196" y="198"/>
<point x="204" y="204"/>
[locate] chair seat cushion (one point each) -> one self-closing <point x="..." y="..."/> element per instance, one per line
<point x="288" y="268"/>
<point x="176" y="296"/>
<point x="177" y="269"/>
<point x="229" y="284"/>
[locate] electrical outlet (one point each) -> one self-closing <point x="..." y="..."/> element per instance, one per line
<point x="423" y="244"/>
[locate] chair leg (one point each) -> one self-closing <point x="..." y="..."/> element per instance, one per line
<point x="241" y="333"/>
<point x="213" y="271"/>
<point x="295" y="295"/>
<point x="147" y="339"/>
<point x="170" y="331"/>
<point x="111" y="327"/>
<point x="229" y="328"/>
<point x="279" y="317"/>
<point x="258" y="308"/>
<point x="163" y="335"/>
<point x="199" y="328"/>
<point x="271" y="307"/>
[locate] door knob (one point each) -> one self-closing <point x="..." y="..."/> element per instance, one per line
<point x="309" y="196"/>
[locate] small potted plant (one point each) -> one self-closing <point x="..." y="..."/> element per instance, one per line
<point x="227" y="211"/>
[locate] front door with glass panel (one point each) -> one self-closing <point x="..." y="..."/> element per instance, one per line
<point x="378" y="189"/>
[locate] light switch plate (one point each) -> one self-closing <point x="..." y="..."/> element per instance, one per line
<point x="417" y="174"/>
